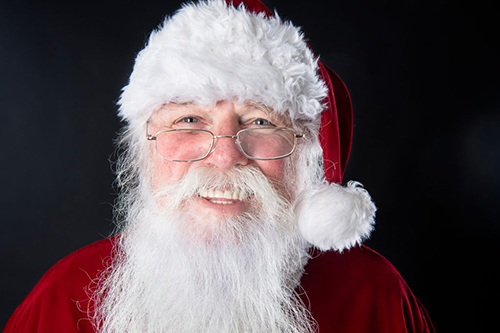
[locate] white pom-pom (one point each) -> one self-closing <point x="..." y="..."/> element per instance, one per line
<point x="334" y="217"/>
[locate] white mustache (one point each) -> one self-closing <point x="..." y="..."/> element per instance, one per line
<point x="237" y="183"/>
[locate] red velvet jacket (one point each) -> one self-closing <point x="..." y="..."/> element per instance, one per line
<point x="358" y="291"/>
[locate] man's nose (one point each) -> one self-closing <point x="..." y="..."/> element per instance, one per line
<point x="225" y="153"/>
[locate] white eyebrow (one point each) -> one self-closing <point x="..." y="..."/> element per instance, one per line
<point x="271" y="113"/>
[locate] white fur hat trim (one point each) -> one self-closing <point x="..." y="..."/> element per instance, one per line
<point x="334" y="217"/>
<point x="211" y="51"/>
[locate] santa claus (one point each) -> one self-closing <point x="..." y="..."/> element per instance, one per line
<point x="231" y="215"/>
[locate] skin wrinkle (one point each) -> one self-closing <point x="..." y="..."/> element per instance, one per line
<point x="280" y="119"/>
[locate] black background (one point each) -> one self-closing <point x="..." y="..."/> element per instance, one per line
<point x="423" y="77"/>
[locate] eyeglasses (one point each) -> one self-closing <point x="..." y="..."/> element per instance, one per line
<point x="191" y="145"/>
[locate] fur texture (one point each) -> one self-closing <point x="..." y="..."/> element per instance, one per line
<point x="211" y="51"/>
<point x="334" y="217"/>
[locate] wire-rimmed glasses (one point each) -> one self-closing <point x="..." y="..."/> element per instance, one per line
<point x="191" y="145"/>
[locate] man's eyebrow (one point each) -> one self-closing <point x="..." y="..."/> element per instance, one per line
<point x="276" y="117"/>
<point x="164" y="112"/>
<point x="261" y="106"/>
<point x="184" y="103"/>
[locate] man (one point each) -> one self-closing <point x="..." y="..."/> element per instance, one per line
<point x="236" y="139"/>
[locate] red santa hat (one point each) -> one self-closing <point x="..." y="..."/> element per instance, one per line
<point x="216" y="50"/>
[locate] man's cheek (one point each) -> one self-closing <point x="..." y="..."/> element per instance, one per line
<point x="274" y="170"/>
<point x="167" y="173"/>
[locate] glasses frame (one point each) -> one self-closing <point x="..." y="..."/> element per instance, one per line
<point x="215" y="139"/>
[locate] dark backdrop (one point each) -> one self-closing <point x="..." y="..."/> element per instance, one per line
<point x="423" y="78"/>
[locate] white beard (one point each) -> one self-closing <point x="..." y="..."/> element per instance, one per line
<point x="175" y="271"/>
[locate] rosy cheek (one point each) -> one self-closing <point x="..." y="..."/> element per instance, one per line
<point x="274" y="169"/>
<point x="167" y="173"/>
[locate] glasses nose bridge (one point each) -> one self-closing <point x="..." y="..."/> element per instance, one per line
<point x="217" y="137"/>
<point x="225" y="136"/>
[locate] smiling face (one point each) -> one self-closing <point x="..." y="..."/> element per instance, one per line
<point x="226" y="118"/>
<point x="190" y="256"/>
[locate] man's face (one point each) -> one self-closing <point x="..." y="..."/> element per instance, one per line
<point x="195" y="256"/>
<point x="226" y="118"/>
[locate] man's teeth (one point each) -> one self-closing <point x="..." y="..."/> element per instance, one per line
<point x="213" y="194"/>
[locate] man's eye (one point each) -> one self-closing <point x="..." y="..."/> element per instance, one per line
<point x="189" y="120"/>
<point x="262" y="122"/>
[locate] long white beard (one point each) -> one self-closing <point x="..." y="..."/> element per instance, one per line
<point x="176" y="271"/>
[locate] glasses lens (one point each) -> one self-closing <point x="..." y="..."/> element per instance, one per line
<point x="183" y="145"/>
<point x="267" y="143"/>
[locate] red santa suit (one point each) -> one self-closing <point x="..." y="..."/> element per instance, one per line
<point x="357" y="291"/>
